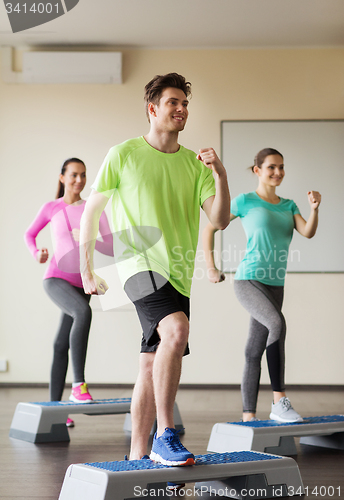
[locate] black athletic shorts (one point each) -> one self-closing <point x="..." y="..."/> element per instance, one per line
<point x="154" y="298"/>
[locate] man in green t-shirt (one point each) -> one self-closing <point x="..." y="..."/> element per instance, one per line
<point x="157" y="188"/>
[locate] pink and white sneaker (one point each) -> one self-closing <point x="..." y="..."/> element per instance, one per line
<point x="80" y="394"/>
<point x="70" y="422"/>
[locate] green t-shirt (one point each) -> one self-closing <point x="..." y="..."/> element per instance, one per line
<point x="156" y="199"/>
<point x="269" y="230"/>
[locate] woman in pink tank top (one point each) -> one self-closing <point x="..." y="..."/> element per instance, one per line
<point x="62" y="280"/>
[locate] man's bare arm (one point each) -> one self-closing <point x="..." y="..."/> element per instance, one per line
<point x="89" y="226"/>
<point x="216" y="207"/>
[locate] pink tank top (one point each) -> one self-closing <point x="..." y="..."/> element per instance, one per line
<point x="65" y="263"/>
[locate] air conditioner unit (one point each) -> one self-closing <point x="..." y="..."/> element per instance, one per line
<point x="65" y="67"/>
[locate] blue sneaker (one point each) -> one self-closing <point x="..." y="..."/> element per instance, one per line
<point x="168" y="450"/>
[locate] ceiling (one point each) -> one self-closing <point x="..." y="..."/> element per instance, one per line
<point x="188" y="24"/>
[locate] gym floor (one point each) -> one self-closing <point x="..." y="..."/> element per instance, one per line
<point x="29" y="471"/>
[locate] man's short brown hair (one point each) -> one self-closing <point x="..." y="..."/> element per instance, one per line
<point x="159" y="83"/>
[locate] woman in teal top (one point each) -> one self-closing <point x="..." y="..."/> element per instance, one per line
<point x="269" y="222"/>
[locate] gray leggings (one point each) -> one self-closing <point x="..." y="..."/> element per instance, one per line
<point x="72" y="332"/>
<point x="267" y="331"/>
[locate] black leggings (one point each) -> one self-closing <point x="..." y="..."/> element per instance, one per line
<point x="72" y="332"/>
<point x="267" y="331"/>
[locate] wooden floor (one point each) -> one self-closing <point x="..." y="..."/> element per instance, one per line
<point x="29" y="471"/>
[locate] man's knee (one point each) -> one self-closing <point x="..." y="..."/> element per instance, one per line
<point x="178" y="336"/>
<point x="182" y="332"/>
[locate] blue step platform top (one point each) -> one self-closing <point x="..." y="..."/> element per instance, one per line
<point x="71" y="403"/>
<point x="309" y="420"/>
<point x="209" y="459"/>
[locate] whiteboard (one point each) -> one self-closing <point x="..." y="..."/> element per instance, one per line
<point x="313" y="153"/>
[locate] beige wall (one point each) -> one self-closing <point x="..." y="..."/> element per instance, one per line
<point x="42" y="125"/>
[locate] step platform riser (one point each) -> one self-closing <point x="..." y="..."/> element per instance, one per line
<point x="271" y="437"/>
<point x="257" y="471"/>
<point x="334" y="441"/>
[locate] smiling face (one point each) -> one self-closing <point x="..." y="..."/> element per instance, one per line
<point x="271" y="171"/>
<point x="74" y="178"/>
<point x="171" y="113"/>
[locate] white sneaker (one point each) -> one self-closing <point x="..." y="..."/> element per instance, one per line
<point x="284" y="412"/>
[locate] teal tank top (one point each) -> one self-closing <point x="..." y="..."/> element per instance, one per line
<point x="269" y="229"/>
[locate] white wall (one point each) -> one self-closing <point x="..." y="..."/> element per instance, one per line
<point x="42" y="125"/>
